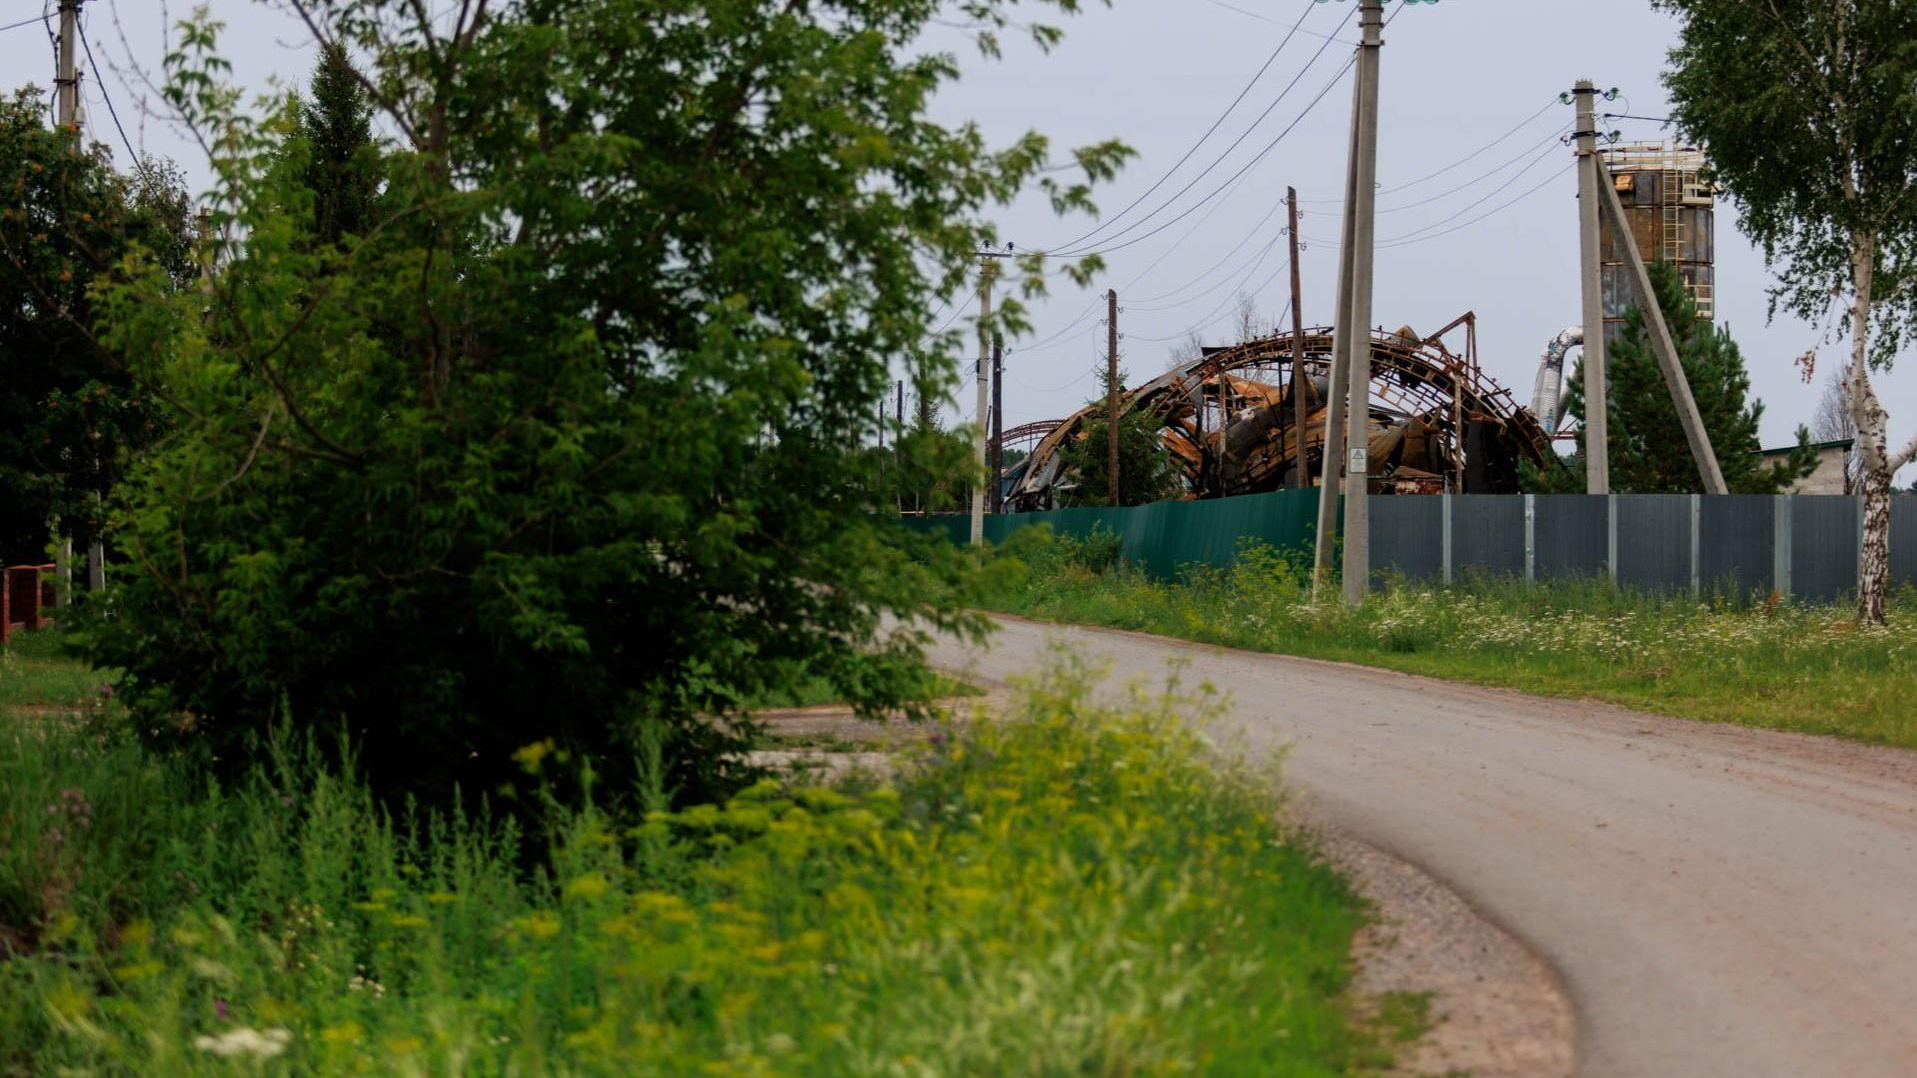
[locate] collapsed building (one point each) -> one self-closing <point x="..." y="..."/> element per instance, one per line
<point x="1436" y="423"/>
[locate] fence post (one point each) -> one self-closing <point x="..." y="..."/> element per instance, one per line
<point x="1610" y="536"/>
<point x="1781" y="545"/>
<point x="1858" y="587"/>
<point x="1444" y="513"/>
<point x="1697" y="517"/>
<point x="1530" y="539"/>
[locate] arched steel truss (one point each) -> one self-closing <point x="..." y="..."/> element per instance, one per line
<point x="1437" y="422"/>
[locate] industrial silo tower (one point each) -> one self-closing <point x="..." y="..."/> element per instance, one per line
<point x="1670" y="211"/>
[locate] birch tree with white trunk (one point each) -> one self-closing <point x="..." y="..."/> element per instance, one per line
<point x="1807" y="112"/>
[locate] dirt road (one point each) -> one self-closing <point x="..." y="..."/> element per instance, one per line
<point x="1719" y="901"/>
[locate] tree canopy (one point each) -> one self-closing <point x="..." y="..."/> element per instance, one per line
<point x="1145" y="470"/>
<point x="1804" y="108"/>
<point x="568" y="445"/>
<point x="70" y="412"/>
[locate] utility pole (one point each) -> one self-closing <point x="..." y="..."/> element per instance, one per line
<point x="998" y="424"/>
<point x="1591" y="180"/>
<point x="1357" y="567"/>
<point x="901" y="413"/>
<point x="1111" y="395"/>
<point x="1332" y="453"/>
<point x="66" y="81"/>
<point x="1666" y="352"/>
<point x="986" y="269"/>
<point x="1299" y="409"/>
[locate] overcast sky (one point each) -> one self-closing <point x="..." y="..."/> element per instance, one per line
<point x="1457" y="75"/>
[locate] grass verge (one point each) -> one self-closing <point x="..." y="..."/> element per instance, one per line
<point x="1081" y="889"/>
<point x="1790" y="666"/>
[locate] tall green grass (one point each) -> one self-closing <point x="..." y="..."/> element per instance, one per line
<point x="1787" y="665"/>
<point x="1080" y="889"/>
<point x="35" y="674"/>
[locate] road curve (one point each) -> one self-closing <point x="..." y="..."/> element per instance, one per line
<point x="1719" y="901"/>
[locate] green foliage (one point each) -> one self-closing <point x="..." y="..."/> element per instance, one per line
<point x="1794" y="666"/>
<point x="341" y="165"/>
<point x="70" y="414"/>
<point x="1145" y="469"/>
<point x="1083" y="889"/>
<point x="1805" y="107"/>
<point x="568" y="442"/>
<point x="1649" y="453"/>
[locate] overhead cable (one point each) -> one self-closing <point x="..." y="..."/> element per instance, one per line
<point x="1074" y="251"/>
<point x="1466" y="159"/>
<point x="1209" y="131"/>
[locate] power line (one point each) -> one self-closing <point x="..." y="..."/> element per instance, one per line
<point x="1209" y="131"/>
<point x="1414" y="236"/>
<point x="1493" y="210"/>
<point x="1469" y="206"/>
<point x="1229" y="255"/>
<point x="1480" y="178"/>
<point x="43" y="17"/>
<point x="1269" y="19"/>
<point x="1260" y="156"/>
<point x="106" y="95"/>
<point x="1466" y="159"/>
<point x="1072" y="249"/>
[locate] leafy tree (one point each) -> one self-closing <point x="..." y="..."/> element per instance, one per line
<point x="1145" y="470"/>
<point x="70" y="416"/>
<point x="1833" y="421"/>
<point x="1649" y="453"/>
<point x="1805" y="108"/>
<point x="568" y="447"/>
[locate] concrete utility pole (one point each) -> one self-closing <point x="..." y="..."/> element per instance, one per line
<point x="1662" y="346"/>
<point x="986" y="268"/>
<point x="1363" y="211"/>
<point x="66" y="82"/>
<point x="1333" y="452"/>
<point x="1299" y="408"/>
<point x="1111" y="396"/>
<point x="998" y="424"/>
<point x="1591" y="180"/>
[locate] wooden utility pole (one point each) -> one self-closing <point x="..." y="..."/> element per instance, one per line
<point x="998" y="424"/>
<point x="1357" y="544"/>
<point x="986" y="269"/>
<point x="66" y="82"/>
<point x="1591" y="180"/>
<point x="1111" y="396"/>
<point x="1332" y="453"/>
<point x="1662" y="346"/>
<point x="1299" y="408"/>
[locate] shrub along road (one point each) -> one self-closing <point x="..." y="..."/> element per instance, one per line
<point x="1720" y="901"/>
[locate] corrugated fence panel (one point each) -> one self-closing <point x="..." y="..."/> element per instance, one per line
<point x="1573" y="535"/>
<point x="1164" y="536"/>
<point x="1903" y="539"/>
<point x="1407" y="537"/>
<point x="1654" y="541"/>
<point x="1824" y="546"/>
<point x="1487" y="535"/>
<point x="1736" y="537"/>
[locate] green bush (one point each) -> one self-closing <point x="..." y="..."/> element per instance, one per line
<point x="1079" y="889"/>
<point x="567" y="441"/>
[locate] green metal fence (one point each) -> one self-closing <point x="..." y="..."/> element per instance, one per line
<point x="1163" y="536"/>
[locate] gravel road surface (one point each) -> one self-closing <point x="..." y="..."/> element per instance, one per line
<point x="1718" y="901"/>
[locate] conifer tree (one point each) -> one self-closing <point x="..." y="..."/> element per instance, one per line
<point x="1649" y="454"/>
<point x="342" y="167"/>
